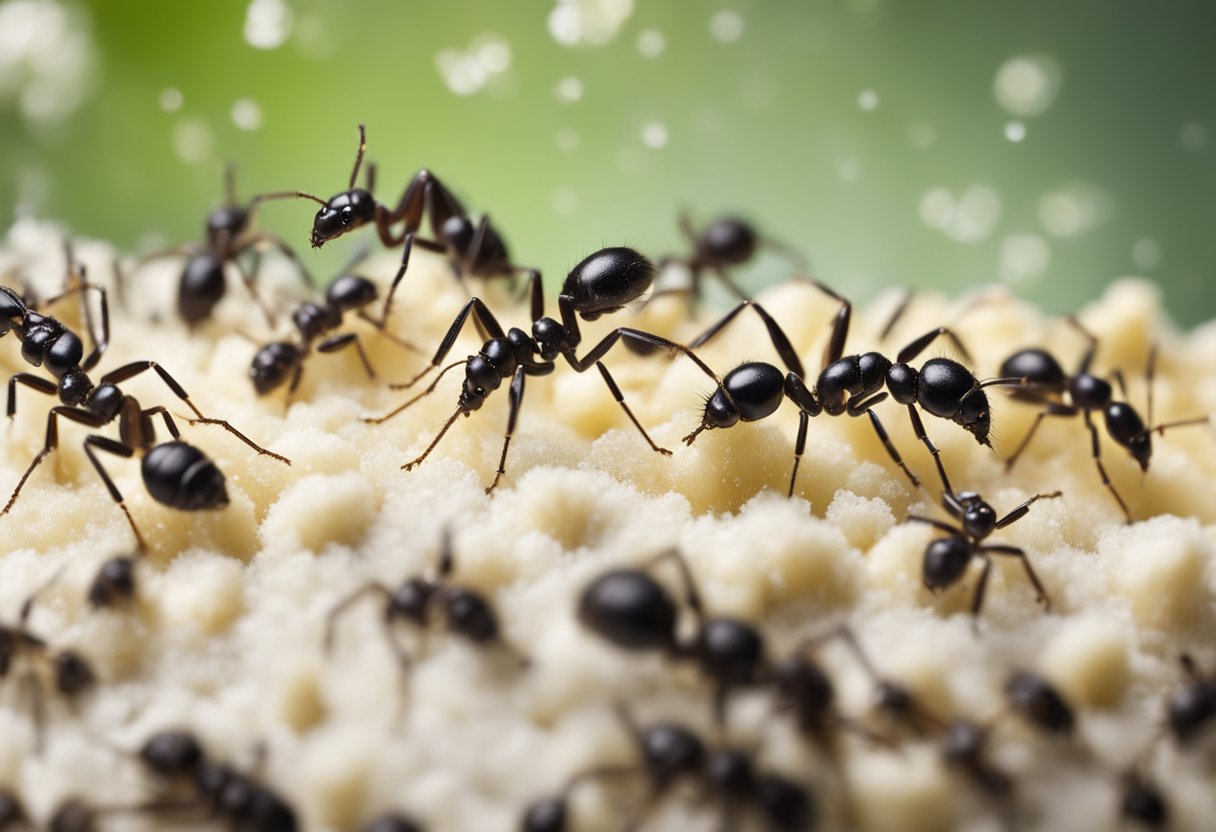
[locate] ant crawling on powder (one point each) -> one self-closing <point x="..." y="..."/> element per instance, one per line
<point x="1083" y="394"/>
<point x="725" y="243"/>
<point x="670" y="753"/>
<point x="603" y="282"/>
<point x="632" y="610"/>
<point x="418" y="599"/>
<point x="282" y="362"/>
<point x="229" y="235"/>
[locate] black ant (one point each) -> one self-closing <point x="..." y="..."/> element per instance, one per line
<point x="1141" y="801"/>
<point x="724" y="243"/>
<point x="1038" y="702"/>
<point x="202" y="284"/>
<point x="472" y="249"/>
<point x="602" y="283"/>
<point x="71" y="672"/>
<point x="849" y="384"/>
<point x="1192" y="706"/>
<point x="947" y="558"/>
<point x="1046" y="384"/>
<point x="246" y="805"/>
<point x="392" y="823"/>
<point x="466" y="611"/>
<point x="963" y="746"/>
<point x="12" y="814"/>
<point x="114" y="583"/>
<point x="671" y="752"/>
<point x="277" y="362"/>
<point x="633" y="611"/>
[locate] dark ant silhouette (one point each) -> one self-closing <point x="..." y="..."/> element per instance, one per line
<point x="228" y="235"/>
<point x="71" y="672"/>
<point x="1140" y="800"/>
<point x="1038" y="702"/>
<point x="947" y="558"/>
<point x="176" y="474"/>
<point x="725" y="243"/>
<point x="670" y="752"/>
<point x="281" y="362"/>
<point x="466" y="611"/>
<point x="1084" y="393"/>
<point x="12" y="814"/>
<point x="849" y="384"/>
<point x="392" y="822"/>
<point x="633" y="611"/>
<point x="963" y="746"/>
<point x="114" y="583"/>
<point x="1193" y="706"/>
<point x="476" y="249"/>
<point x="602" y="283"/>
<point x="198" y="784"/>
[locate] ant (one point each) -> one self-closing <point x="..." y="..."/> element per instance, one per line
<point x="12" y="815"/>
<point x="633" y="611"/>
<point x="849" y="384"/>
<point x="726" y="242"/>
<point x="670" y="752"/>
<point x="1192" y="706"/>
<point x="1038" y="702"/>
<point x="947" y="558"/>
<point x="71" y="672"/>
<point x="279" y="361"/>
<point x="1046" y="384"/>
<point x="246" y="805"/>
<point x="472" y="249"/>
<point x="466" y="611"/>
<point x="114" y="583"/>
<point x="963" y="746"/>
<point x="392" y="823"/>
<point x="1140" y="800"/>
<point x="602" y="283"/>
<point x="228" y="235"/>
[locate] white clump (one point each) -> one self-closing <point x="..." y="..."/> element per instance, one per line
<point x="726" y="26"/>
<point x="246" y="114"/>
<point x="268" y="23"/>
<point x="46" y="58"/>
<point x="1074" y="208"/>
<point x="1027" y="85"/>
<point x="969" y="217"/>
<point x="588" y="22"/>
<point x="467" y="71"/>
<point x="193" y="139"/>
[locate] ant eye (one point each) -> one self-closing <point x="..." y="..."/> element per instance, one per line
<point x="347" y="213"/>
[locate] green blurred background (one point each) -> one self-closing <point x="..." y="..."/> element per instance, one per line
<point x="1051" y="145"/>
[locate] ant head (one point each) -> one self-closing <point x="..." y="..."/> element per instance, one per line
<point x="978" y="517"/>
<point x="342" y="213"/>
<point x="105" y="400"/>
<point x="470" y="615"/>
<point x="1126" y="427"/>
<point x="114" y="582"/>
<point x="225" y="224"/>
<point x="74" y="387"/>
<point x="756" y="389"/>
<point x="731" y="774"/>
<point x="1041" y="704"/>
<point x="729" y="651"/>
<point x="73" y="675"/>
<point x="171" y="753"/>
<point x="671" y="751"/>
<point x="728" y="240"/>
<point x="945" y="561"/>
<point x="720" y="411"/>
<point x="630" y="609"/>
<point x="975" y="416"/>
<point x="410" y="600"/>
<point x="545" y="815"/>
<point x="480" y="379"/>
<point x="12" y="309"/>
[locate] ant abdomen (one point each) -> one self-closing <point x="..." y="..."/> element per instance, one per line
<point x="183" y="477"/>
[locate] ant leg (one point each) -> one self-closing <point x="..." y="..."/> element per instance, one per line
<point x="247" y="278"/>
<point x="918" y="427"/>
<point x="396" y="339"/>
<point x="1092" y="346"/>
<point x="413" y="463"/>
<point x="111" y="446"/>
<point x="32" y="381"/>
<point x="691" y="596"/>
<point x="606" y="343"/>
<point x="1097" y="455"/>
<point x="482" y="314"/>
<point x="1014" y="551"/>
<point x="890" y="446"/>
<point x="799" y="446"/>
<point x="516" y="397"/>
<point x="620" y="399"/>
<point x="1050" y="409"/>
<point x="419" y="198"/>
<point x="918" y="345"/>
<point x="133" y="369"/>
<point x="781" y="343"/>
<point x="977" y="600"/>
<point x="163" y="412"/>
<point x="721" y="274"/>
<point x="430" y="389"/>
<point x="37" y="709"/>
<point x="897" y="314"/>
<point x="339" y="342"/>
<point x="840" y="325"/>
<point x="284" y="249"/>
<point x="1150" y="372"/>
<point x="1021" y="511"/>
<point x="937" y="524"/>
<point x="75" y="414"/>
<point x="343" y="606"/>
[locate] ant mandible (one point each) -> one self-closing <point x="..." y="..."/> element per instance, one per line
<point x="228" y="235"/>
<point x="947" y="558"/>
<point x="1047" y="384"/>
<point x="603" y="282"/>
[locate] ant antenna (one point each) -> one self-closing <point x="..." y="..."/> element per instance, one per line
<point x="230" y="183"/>
<point x="354" y="174"/>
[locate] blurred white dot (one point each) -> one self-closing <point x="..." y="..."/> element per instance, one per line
<point x="565" y="202"/>
<point x="314" y="37"/>
<point x="463" y="74"/>
<point x="969" y="218"/>
<point x="193" y="139"/>
<point x="936" y="207"/>
<point x="1027" y="85"/>
<point x="567" y="140"/>
<point x="1146" y="253"/>
<point x="1073" y="209"/>
<point x="868" y="101"/>
<point x="848" y="169"/>
<point x="171" y="99"/>
<point x="268" y="23"/>
<point x="493" y="52"/>
<point x="46" y="57"/>
<point x="922" y="136"/>
<point x="651" y="43"/>
<point x="588" y="22"/>
<point x="654" y="135"/>
<point x="1023" y="256"/>
<point x="1193" y="135"/>
<point x="726" y="26"/>
<point x="246" y="114"/>
<point x="1015" y="131"/>
<point x="569" y="90"/>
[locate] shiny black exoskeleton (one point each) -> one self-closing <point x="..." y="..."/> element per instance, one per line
<point x="1038" y="702"/>
<point x="240" y="801"/>
<point x="466" y="612"/>
<point x="848" y="384"/>
<point x="229" y="235"/>
<point x="1084" y="393"/>
<point x="1192" y="707"/>
<point x="281" y="362"/>
<point x="947" y="558"/>
<point x="633" y="611"/>
<point x="602" y="283"/>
